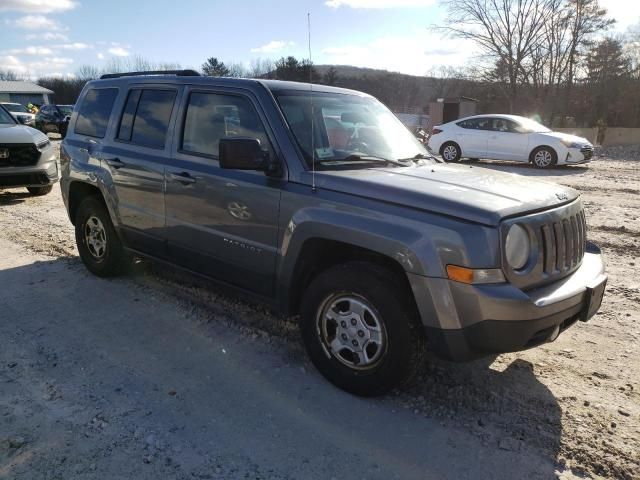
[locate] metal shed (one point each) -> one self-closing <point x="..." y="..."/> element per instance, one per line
<point x="446" y="110"/>
<point x="23" y="92"/>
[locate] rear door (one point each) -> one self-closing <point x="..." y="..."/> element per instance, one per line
<point x="136" y="159"/>
<point x="222" y="223"/>
<point x="472" y="135"/>
<point x="507" y="141"/>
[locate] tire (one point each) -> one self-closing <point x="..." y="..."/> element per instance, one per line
<point x="40" y="191"/>
<point x="395" y="350"/>
<point x="450" y="152"/>
<point x="98" y="243"/>
<point x="544" y="157"/>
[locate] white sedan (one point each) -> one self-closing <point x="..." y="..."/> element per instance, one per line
<point x="508" y="137"/>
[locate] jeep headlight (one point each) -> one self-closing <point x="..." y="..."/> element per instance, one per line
<point x="517" y="247"/>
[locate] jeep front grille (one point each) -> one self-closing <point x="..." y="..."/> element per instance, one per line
<point x="563" y="244"/>
<point x="558" y="242"/>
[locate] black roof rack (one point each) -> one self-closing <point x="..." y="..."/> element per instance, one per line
<point x="179" y="73"/>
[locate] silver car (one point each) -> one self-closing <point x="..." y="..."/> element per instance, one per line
<point x="27" y="158"/>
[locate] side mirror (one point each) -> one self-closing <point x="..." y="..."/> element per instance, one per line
<point x="242" y="153"/>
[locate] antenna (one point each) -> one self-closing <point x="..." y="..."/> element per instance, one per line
<point x="313" y="147"/>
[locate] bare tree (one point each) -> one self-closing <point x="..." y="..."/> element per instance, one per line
<point x="261" y="68"/>
<point x="505" y="30"/>
<point x="9" y="75"/>
<point x="87" y="72"/>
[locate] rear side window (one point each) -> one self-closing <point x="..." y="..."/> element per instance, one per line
<point x="475" y="124"/>
<point x="94" y="113"/>
<point x="146" y="115"/>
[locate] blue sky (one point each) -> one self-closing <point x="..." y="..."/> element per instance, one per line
<point x="44" y="37"/>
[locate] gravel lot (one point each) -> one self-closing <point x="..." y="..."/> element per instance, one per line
<point x="161" y="375"/>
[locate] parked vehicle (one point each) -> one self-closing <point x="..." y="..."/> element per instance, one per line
<point x="322" y="204"/>
<point x="508" y="137"/>
<point x="27" y="158"/>
<point x="53" y="118"/>
<point x="20" y="113"/>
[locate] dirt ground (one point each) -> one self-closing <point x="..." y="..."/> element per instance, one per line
<point x="160" y="375"/>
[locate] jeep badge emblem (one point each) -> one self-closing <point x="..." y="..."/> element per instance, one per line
<point x="562" y="196"/>
<point x="4" y="153"/>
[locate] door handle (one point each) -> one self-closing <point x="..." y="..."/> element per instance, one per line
<point x="114" y="162"/>
<point x="182" y="177"/>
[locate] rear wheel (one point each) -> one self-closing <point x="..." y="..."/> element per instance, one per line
<point x="39" y="191"/>
<point x="450" y="152"/>
<point x="544" y="157"/>
<point x="98" y="243"/>
<point x="360" y="329"/>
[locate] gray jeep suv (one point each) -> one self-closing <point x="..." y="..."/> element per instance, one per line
<point x="318" y="201"/>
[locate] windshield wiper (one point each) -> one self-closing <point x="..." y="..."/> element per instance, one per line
<point x="365" y="158"/>
<point x="421" y="156"/>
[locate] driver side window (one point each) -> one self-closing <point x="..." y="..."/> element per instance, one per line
<point x="211" y="117"/>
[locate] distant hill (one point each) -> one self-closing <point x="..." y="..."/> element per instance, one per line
<point x="351" y="71"/>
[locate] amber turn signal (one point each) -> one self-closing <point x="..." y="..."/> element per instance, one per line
<point x="474" y="275"/>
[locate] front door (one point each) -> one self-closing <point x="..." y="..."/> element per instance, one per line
<point x="506" y="142"/>
<point x="222" y="223"/>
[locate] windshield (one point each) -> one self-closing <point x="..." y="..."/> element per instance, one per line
<point x="5" y="117"/>
<point x="15" y="107"/>
<point x="66" y="109"/>
<point x="346" y="126"/>
<point x="531" y="126"/>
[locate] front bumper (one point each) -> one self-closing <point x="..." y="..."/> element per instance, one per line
<point x="463" y="321"/>
<point x="44" y="173"/>
<point x="576" y="156"/>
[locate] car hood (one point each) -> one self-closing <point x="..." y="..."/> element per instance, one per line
<point x="20" y="134"/>
<point x="471" y="193"/>
<point x="566" y="136"/>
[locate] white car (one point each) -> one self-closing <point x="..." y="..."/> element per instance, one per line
<point x="20" y="113"/>
<point x="508" y="137"/>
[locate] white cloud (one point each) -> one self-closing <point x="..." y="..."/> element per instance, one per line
<point x="73" y="46"/>
<point x="272" y="46"/>
<point x="48" y="36"/>
<point x="44" y="66"/>
<point x="378" y="3"/>
<point x="37" y="6"/>
<point x="119" y="52"/>
<point x="31" y="51"/>
<point x="406" y="54"/>
<point x="100" y="56"/>
<point x="36" y="22"/>
<point x="626" y="13"/>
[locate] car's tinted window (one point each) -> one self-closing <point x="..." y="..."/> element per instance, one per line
<point x="94" y="113"/>
<point x="145" y="119"/>
<point x="211" y="117"/>
<point x="475" y="124"/>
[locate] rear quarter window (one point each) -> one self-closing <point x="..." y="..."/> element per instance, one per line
<point x="94" y="113"/>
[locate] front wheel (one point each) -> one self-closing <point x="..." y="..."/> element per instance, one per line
<point x="361" y="330"/>
<point x="39" y="191"/>
<point x="450" y="152"/>
<point x="544" y="157"/>
<point x="98" y="243"/>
